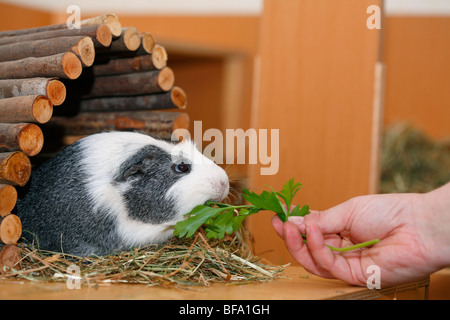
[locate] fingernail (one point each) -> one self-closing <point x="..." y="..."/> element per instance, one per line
<point x="296" y="219"/>
<point x="307" y="229"/>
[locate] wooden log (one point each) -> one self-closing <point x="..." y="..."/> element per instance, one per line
<point x="175" y="98"/>
<point x="156" y="60"/>
<point x="15" y="168"/>
<point x="128" y="41"/>
<point x="147" y="42"/>
<point x="140" y="83"/>
<point x="159" y="56"/>
<point x="8" y="199"/>
<point x="158" y="124"/>
<point x="100" y="34"/>
<point x="63" y="65"/>
<point x="54" y="89"/>
<point x="110" y="19"/>
<point x="25" y="137"/>
<point x="85" y="50"/>
<point x="56" y="92"/>
<point x="10" y="258"/>
<point x="82" y="46"/>
<point x="26" y="109"/>
<point x="10" y="229"/>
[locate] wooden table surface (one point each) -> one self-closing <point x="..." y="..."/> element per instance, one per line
<point x="296" y="284"/>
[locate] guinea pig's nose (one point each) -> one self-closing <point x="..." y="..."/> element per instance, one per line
<point x="224" y="184"/>
<point x="221" y="187"/>
<point x="225" y="188"/>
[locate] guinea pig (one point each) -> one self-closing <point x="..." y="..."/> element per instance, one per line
<point x="114" y="191"/>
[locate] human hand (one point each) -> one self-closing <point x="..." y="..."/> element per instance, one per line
<point x="413" y="229"/>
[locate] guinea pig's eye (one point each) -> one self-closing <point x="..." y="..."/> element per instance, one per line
<point x="181" y="167"/>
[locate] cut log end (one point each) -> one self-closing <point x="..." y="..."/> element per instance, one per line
<point x="114" y="25"/>
<point x="181" y="122"/>
<point x="10" y="229"/>
<point x="72" y="66"/>
<point x="148" y="42"/>
<point x="8" y="199"/>
<point x="86" y="51"/>
<point x="56" y="92"/>
<point x="166" y="79"/>
<point x="10" y="257"/>
<point x="132" y="38"/>
<point x="31" y="139"/>
<point x="179" y="97"/>
<point x="42" y="109"/>
<point x="159" y="57"/>
<point x="104" y="35"/>
<point x="15" y="169"/>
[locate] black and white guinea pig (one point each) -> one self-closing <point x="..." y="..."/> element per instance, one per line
<point x="116" y="190"/>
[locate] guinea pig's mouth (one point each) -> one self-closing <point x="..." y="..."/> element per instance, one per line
<point x="215" y="200"/>
<point x="219" y="197"/>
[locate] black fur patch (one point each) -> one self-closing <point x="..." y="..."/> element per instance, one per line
<point x="57" y="211"/>
<point x="150" y="174"/>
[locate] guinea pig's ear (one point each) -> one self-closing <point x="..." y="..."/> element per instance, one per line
<point x="132" y="171"/>
<point x="135" y="170"/>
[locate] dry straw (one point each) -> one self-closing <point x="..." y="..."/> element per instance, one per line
<point x="411" y="161"/>
<point x="180" y="263"/>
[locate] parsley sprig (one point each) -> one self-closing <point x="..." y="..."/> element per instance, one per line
<point x="219" y="219"/>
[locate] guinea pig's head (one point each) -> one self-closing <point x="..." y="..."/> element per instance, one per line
<point x="162" y="181"/>
<point x="198" y="179"/>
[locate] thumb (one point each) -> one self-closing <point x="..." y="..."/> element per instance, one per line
<point x="331" y="221"/>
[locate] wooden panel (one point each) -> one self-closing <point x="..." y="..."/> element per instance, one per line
<point x="201" y="78"/>
<point x="417" y="58"/>
<point x="317" y="88"/>
<point x="14" y="17"/>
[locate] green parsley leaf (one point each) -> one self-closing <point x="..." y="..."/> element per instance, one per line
<point x="288" y="192"/>
<point x="264" y="201"/>
<point x="197" y="217"/>
<point x="297" y="211"/>
<point x="220" y="218"/>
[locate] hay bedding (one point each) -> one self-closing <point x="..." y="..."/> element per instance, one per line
<point x="411" y="161"/>
<point x="181" y="263"/>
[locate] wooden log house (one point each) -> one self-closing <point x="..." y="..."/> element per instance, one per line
<point x="100" y="77"/>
